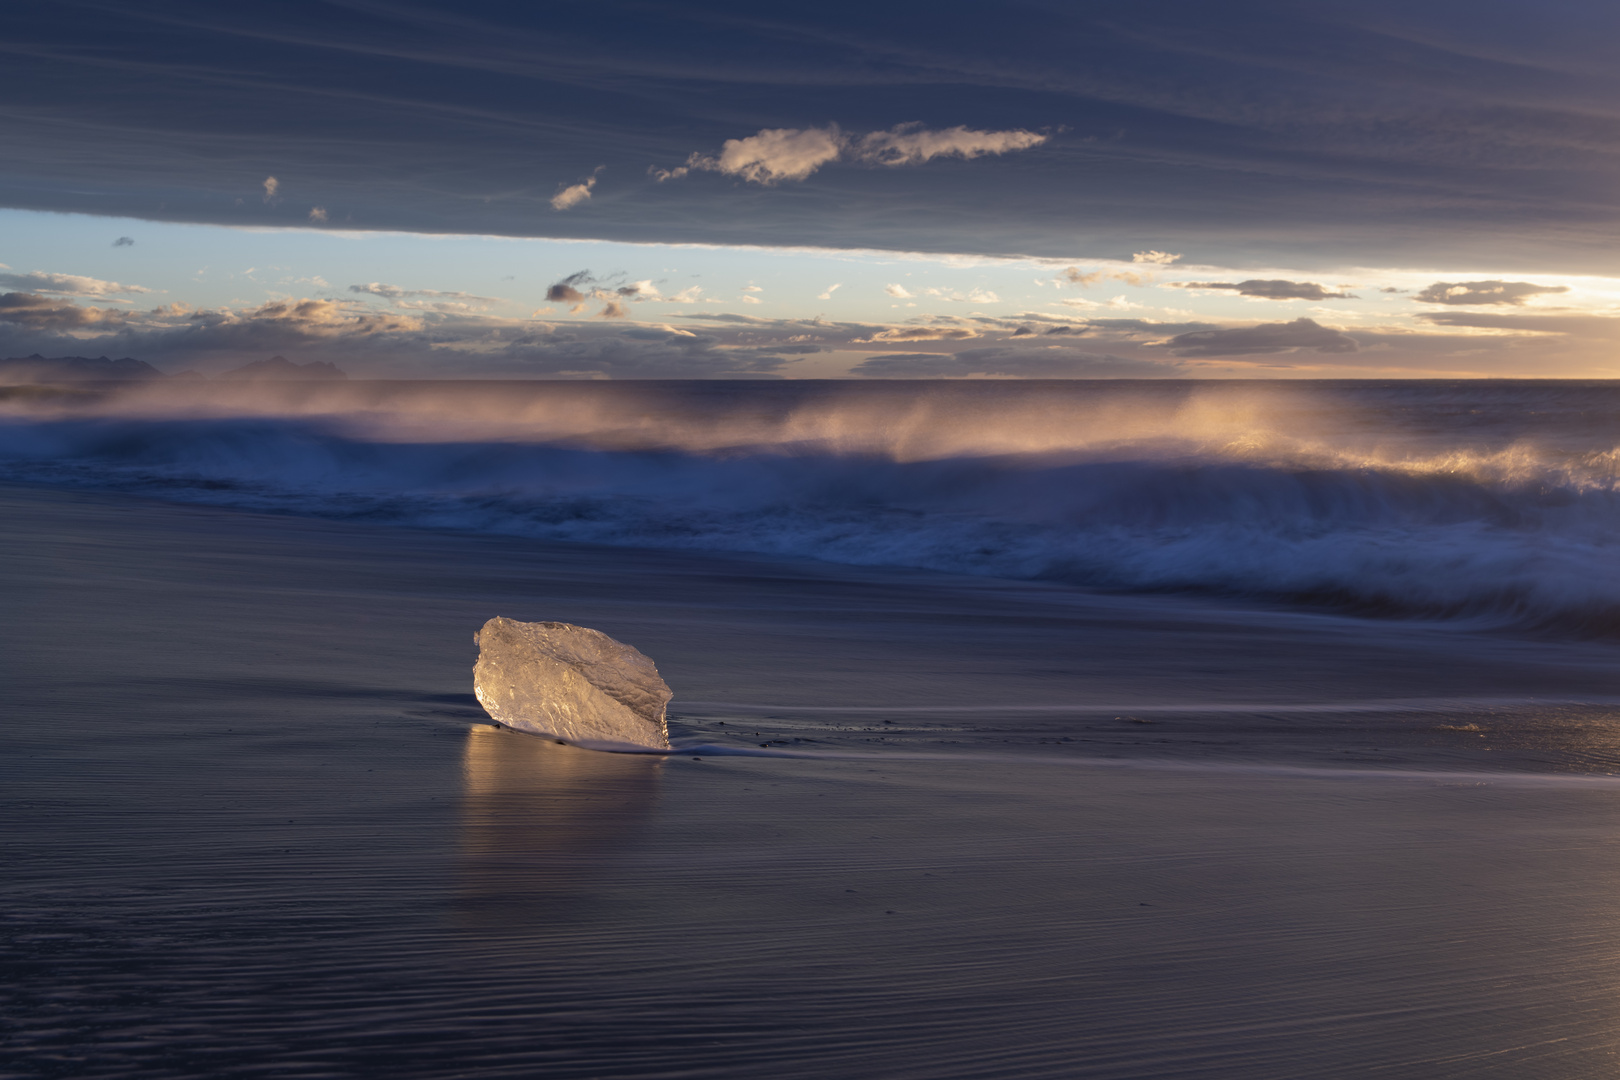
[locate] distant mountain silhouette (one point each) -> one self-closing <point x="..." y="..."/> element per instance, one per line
<point x="56" y="369"/>
<point x="279" y="367"/>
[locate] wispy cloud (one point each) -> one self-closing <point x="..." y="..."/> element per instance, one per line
<point x="899" y="292"/>
<point x="1075" y="276"/>
<point x="317" y="214"/>
<point x="773" y="155"/>
<point x="921" y="333"/>
<point x="912" y="144"/>
<point x="574" y="194"/>
<point x="271" y="186"/>
<point x="39" y="281"/>
<point x="1274" y="289"/>
<point x="972" y="296"/>
<point x="830" y="290"/>
<point x="777" y="154"/>
<point x="394" y="292"/>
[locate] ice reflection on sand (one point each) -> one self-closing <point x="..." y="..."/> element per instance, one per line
<point x="539" y="819"/>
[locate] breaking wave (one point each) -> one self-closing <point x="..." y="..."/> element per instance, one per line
<point x="1493" y="502"/>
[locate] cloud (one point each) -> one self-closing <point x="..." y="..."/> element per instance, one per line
<point x="567" y="290"/>
<point x="731" y="317"/>
<point x="1143" y="329"/>
<point x="358" y="337"/>
<point x="1272" y="289"/>
<point x="1583" y="326"/>
<point x="124" y="241"/>
<point x="974" y="296"/>
<point x="751" y="299"/>
<point x="1014" y="361"/>
<point x="317" y="214"/>
<point x="1118" y="303"/>
<point x="35" y="312"/>
<point x="1157" y="258"/>
<point x="321" y="318"/>
<point x="1485" y="292"/>
<point x="65" y="284"/>
<point x="377" y="288"/>
<point x="912" y="144"/>
<point x="1264" y="338"/>
<point x="688" y="295"/>
<point x="1315" y="135"/>
<point x="443" y="307"/>
<point x="921" y="333"/>
<point x="575" y="194"/>
<point x="363" y="337"/>
<point x="830" y="290"/>
<point x="752" y="288"/>
<point x="1074" y="277"/>
<point x="773" y="155"/>
<point x="271" y="186"/>
<point x="394" y="292"/>
<point x="581" y="286"/>
<point x="897" y="291"/>
<point x="778" y="154"/>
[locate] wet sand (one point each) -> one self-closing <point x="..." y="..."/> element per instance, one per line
<point x="256" y="825"/>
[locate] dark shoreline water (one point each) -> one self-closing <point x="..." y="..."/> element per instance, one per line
<point x="255" y="826"/>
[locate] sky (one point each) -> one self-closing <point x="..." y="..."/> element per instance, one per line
<point x="621" y="190"/>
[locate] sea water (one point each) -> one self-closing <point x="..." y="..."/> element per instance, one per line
<point x="1104" y="730"/>
<point x="1493" y="501"/>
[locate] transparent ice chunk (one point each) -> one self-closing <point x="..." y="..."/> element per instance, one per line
<point x="570" y="683"/>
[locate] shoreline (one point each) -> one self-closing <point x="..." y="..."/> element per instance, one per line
<point x="1054" y="668"/>
<point x="256" y="819"/>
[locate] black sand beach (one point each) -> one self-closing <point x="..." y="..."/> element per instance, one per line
<point x="257" y="825"/>
<point x="1125" y="499"/>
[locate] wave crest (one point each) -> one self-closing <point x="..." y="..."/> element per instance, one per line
<point x="1277" y="494"/>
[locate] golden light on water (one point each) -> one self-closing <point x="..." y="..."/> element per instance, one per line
<point x="538" y="820"/>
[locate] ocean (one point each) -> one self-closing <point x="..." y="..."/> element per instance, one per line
<point x="1021" y="730"/>
<point x="1486" y="500"/>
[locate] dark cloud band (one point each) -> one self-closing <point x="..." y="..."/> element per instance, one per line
<point x="1510" y="293"/>
<point x="1263" y="339"/>
<point x="1270" y="289"/>
<point x="1387" y="130"/>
